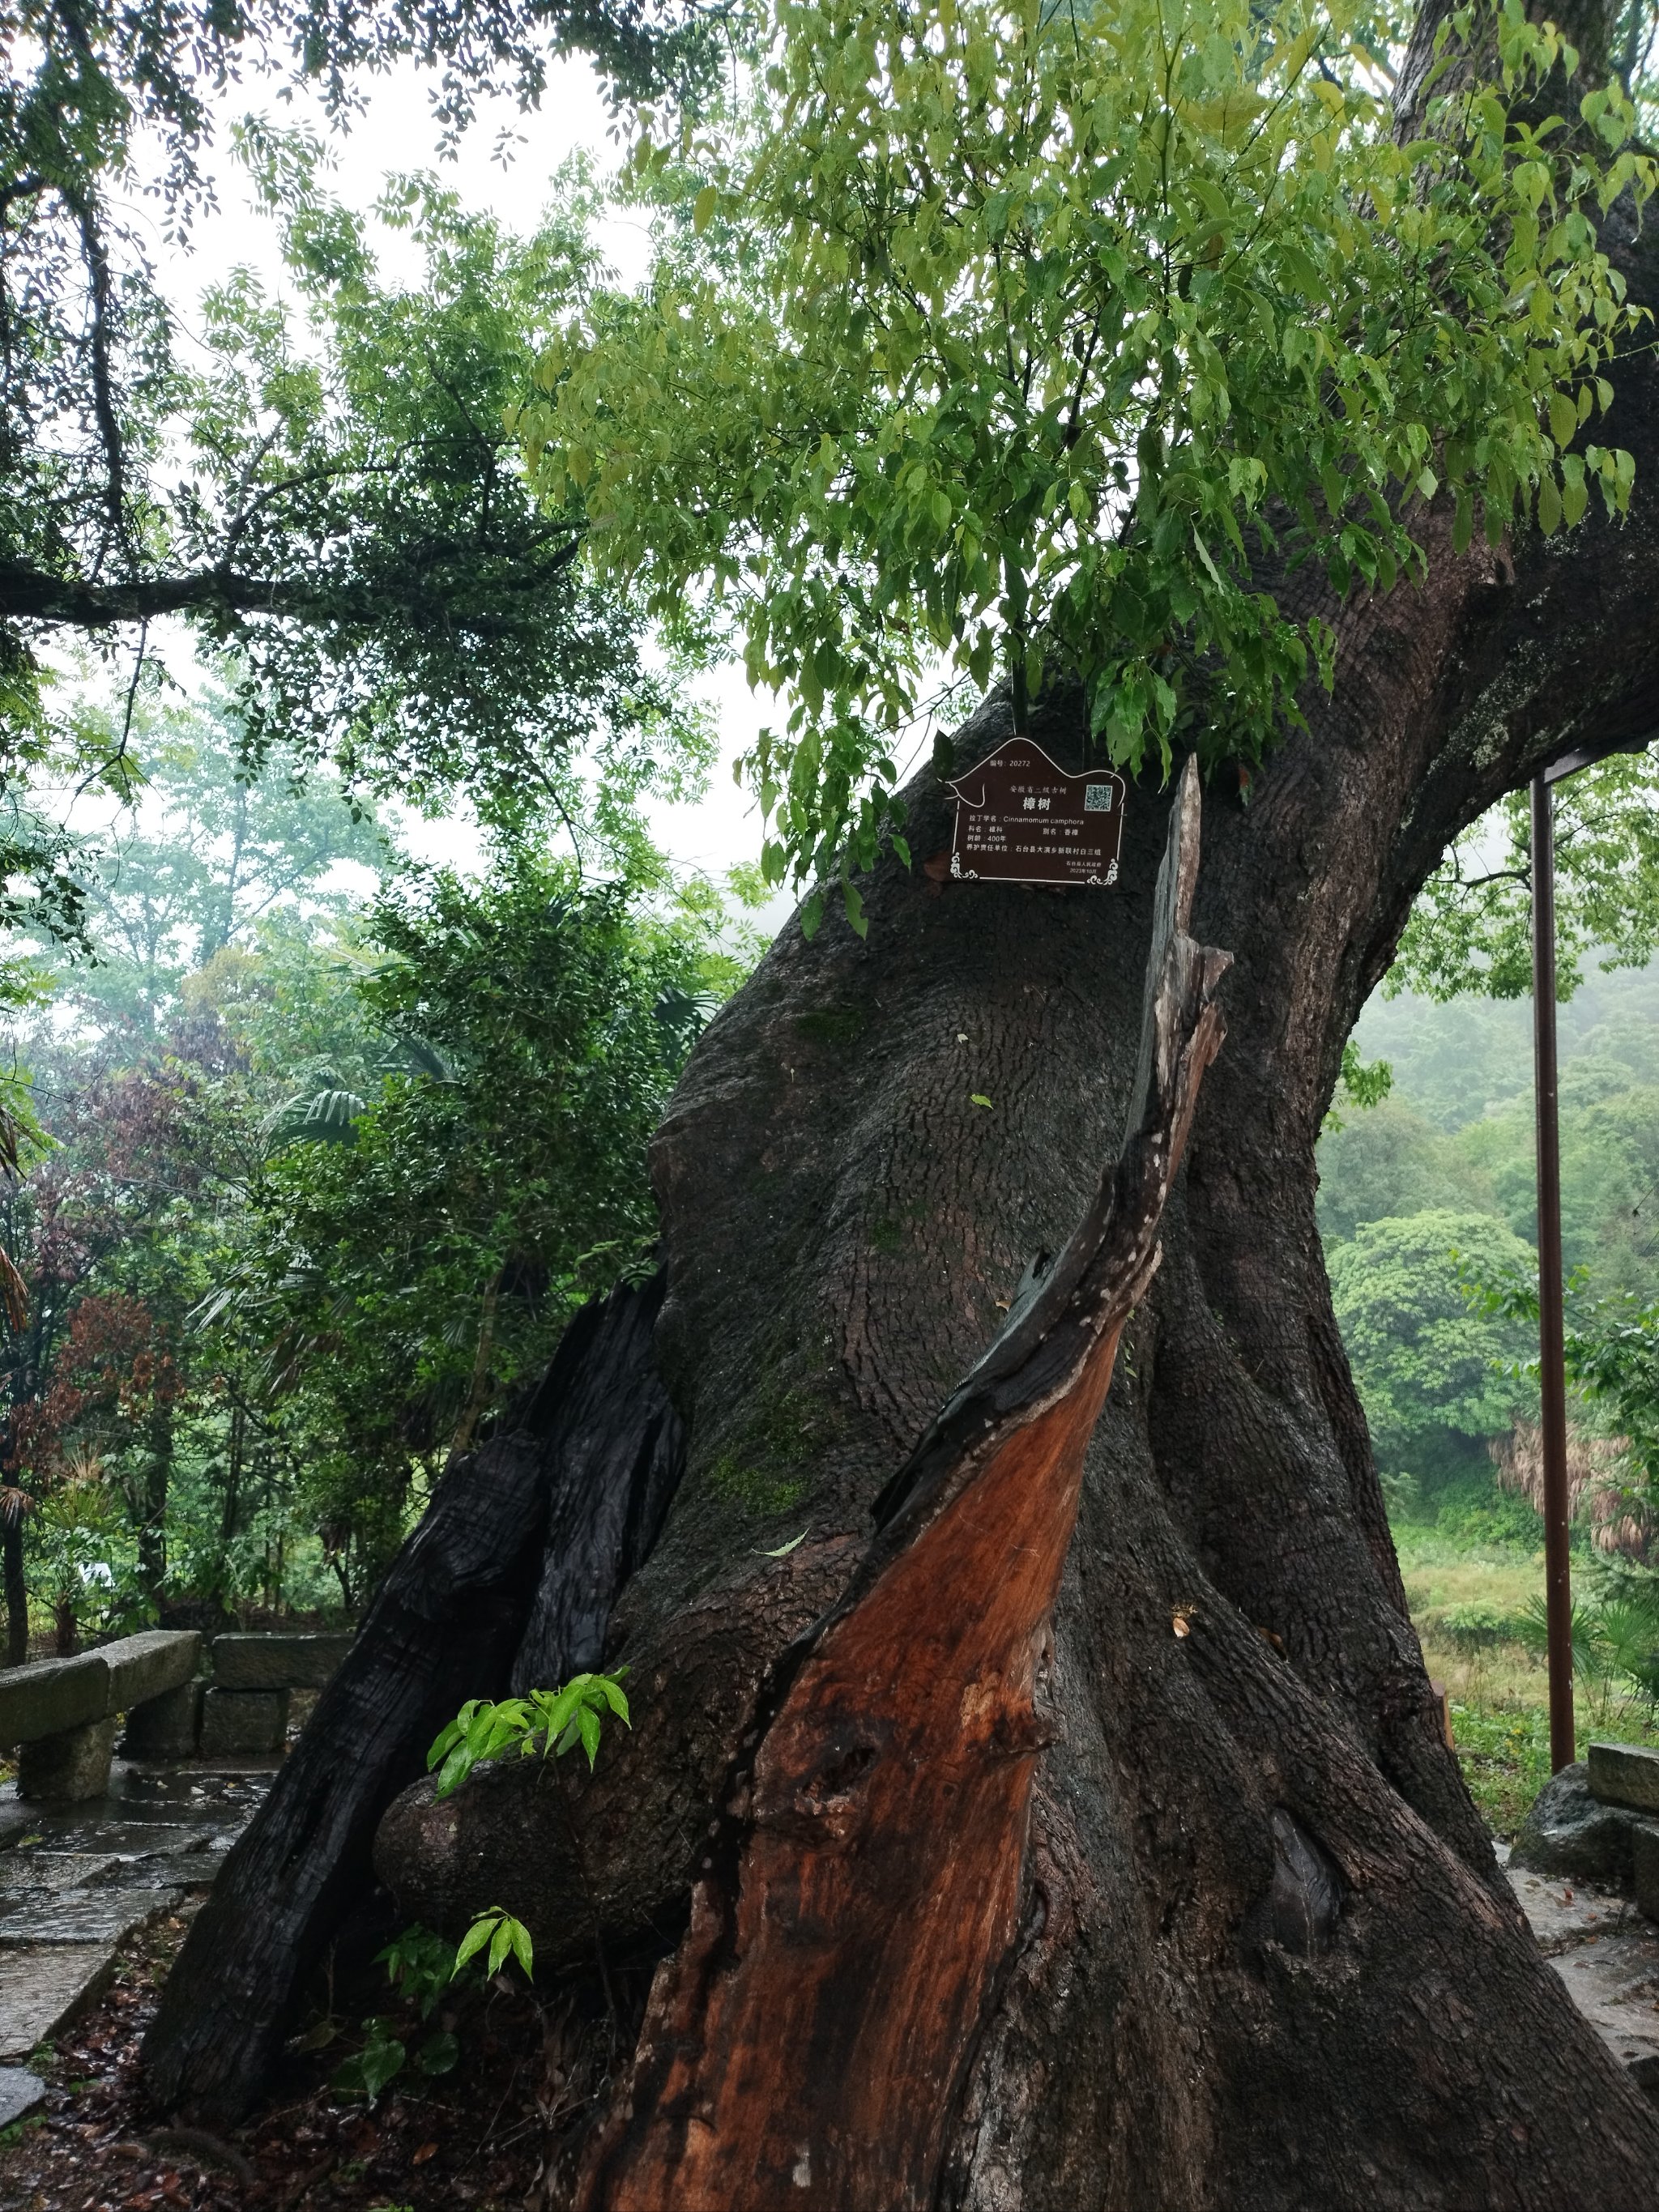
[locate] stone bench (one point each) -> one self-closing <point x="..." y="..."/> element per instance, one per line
<point x="245" y="1708"/>
<point x="63" y="1713"/>
<point x="242" y="1710"/>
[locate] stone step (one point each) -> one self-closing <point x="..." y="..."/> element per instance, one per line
<point x="36" y="1869"/>
<point x="1608" y="1956"/>
<point x="84" y="1915"/>
<point x="20" y="2093"/>
<point x="42" y="1986"/>
<point x="266" y="1660"/>
<point x="1624" y="1774"/>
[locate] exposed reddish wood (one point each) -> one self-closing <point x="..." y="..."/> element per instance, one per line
<point x="805" y="2044"/>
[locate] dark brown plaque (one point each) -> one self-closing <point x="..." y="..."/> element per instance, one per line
<point x="1022" y="820"/>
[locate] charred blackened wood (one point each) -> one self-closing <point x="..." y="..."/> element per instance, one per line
<point x="598" y="1531"/>
<point x="557" y="1485"/>
<point x="861" y="1892"/>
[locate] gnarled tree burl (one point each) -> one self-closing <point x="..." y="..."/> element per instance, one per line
<point x="1263" y="1957"/>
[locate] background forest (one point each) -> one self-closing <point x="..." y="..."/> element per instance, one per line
<point x="318" y="1150"/>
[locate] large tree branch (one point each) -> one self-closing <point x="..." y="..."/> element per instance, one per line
<point x="105" y="411"/>
<point x="30" y="593"/>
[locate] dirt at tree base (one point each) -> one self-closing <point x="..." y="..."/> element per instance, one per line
<point x="501" y="2130"/>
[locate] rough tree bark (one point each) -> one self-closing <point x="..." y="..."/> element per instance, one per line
<point x="863" y="1890"/>
<point x="1264" y="1958"/>
<point x="544" y="1521"/>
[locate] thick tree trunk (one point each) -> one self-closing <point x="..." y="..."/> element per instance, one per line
<point x="155" y="1484"/>
<point x="17" y="1583"/>
<point x="863" y="1888"/>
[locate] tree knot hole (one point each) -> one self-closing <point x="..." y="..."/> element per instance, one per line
<point x="830" y="1798"/>
<point x="1307" y="1889"/>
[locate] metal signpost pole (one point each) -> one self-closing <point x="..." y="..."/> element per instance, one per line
<point x="1552" y="1388"/>
<point x="1552" y="1392"/>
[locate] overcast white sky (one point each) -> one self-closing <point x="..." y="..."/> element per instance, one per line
<point x="397" y="133"/>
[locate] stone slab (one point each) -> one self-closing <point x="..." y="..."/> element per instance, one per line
<point x="53" y="1695"/>
<point x="20" y="2093"/>
<point x="1563" y="1913"/>
<point x="243" y="1720"/>
<point x="1615" y="1985"/>
<point x="124" y="1838"/>
<point x="246" y="1660"/>
<point x="149" y="1664"/>
<point x="85" y="1916"/>
<point x="32" y="1866"/>
<point x="1645" y="1853"/>
<point x="1624" y="1774"/>
<point x="166" y="1727"/>
<point x="68" y="1769"/>
<point x="44" y="1986"/>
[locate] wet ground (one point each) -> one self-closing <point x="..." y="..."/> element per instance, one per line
<point x="76" y="1881"/>
<point x="1607" y="1955"/>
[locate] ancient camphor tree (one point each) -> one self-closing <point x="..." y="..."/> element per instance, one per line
<point x="1263" y="1956"/>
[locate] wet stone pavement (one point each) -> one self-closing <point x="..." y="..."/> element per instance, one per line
<point x="1607" y="1955"/>
<point x="75" y="1879"/>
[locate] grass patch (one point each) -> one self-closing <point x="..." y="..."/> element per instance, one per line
<point x="1500" y="1691"/>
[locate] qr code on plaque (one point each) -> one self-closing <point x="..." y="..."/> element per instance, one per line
<point x="1097" y="797"/>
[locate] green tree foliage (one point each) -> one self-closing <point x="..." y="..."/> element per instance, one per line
<point x="209" y="850"/>
<point x="103" y="101"/>
<point x="1387" y="1163"/>
<point x="1433" y="1371"/>
<point x="408" y="1257"/>
<point x="1471" y="929"/>
<point x="431" y="628"/>
<point x="1019" y="337"/>
<point x="327" y="485"/>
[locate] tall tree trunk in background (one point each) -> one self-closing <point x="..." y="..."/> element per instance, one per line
<point x="1262" y="1957"/>
<point x="230" y="1499"/>
<point x="154" y="1483"/>
<point x="12" y="1571"/>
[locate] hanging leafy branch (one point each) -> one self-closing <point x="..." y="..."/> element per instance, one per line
<point x="329" y="488"/>
<point x="1471" y="929"/>
<point x="1027" y="335"/>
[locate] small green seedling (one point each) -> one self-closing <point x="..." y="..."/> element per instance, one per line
<point x="547" y="1721"/>
<point x="504" y="1935"/>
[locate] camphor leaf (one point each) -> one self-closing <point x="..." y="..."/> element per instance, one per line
<point x="548" y="1722"/>
<point x="1048" y="330"/>
<point x="475" y="1939"/>
<point x="503" y="1935"/>
<point x="588" y="1722"/>
<point x="782" y="1551"/>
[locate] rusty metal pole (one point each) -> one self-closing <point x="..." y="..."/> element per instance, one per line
<point x="1552" y="1390"/>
